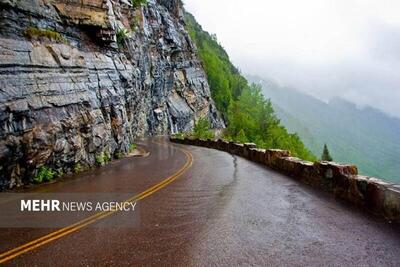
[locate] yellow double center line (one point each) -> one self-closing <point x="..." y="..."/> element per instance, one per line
<point x="6" y="256"/>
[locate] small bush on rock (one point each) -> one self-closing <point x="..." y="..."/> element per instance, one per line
<point x="44" y="174"/>
<point x="119" y="155"/>
<point x="132" y="147"/>
<point x="122" y="35"/>
<point x="100" y="159"/>
<point x="137" y="3"/>
<point x="78" y="168"/>
<point x="103" y="158"/>
<point x="107" y="157"/>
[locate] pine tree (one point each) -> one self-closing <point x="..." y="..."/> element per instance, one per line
<point x="325" y="154"/>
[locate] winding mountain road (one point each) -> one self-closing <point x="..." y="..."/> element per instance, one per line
<point x="202" y="207"/>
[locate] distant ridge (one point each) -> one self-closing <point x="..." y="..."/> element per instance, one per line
<point x="364" y="136"/>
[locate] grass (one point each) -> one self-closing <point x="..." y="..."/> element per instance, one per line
<point x="36" y="33"/>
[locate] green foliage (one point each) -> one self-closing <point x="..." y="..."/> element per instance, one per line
<point x="225" y="80"/>
<point x="132" y="147"/>
<point x="44" y="174"/>
<point x="137" y="3"/>
<point x="100" y="160"/>
<point x="365" y="137"/>
<point x="180" y="136"/>
<point x="103" y="158"/>
<point x="122" y="35"/>
<point x="32" y="32"/>
<point x="226" y="137"/>
<point x="119" y="155"/>
<point x="107" y="157"/>
<point x="202" y="129"/>
<point x="241" y="137"/>
<point x="325" y="154"/>
<point x="252" y="119"/>
<point x="78" y="168"/>
<point x="250" y="116"/>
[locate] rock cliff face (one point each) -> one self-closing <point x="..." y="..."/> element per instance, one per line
<point x="84" y="78"/>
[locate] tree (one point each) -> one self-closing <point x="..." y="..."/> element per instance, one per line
<point x="241" y="137"/>
<point x="202" y="129"/>
<point x="325" y="154"/>
<point x="249" y="115"/>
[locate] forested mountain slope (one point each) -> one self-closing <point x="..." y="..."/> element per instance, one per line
<point x="365" y="137"/>
<point x="249" y="115"/>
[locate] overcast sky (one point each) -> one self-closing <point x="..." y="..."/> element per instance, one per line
<point x="327" y="48"/>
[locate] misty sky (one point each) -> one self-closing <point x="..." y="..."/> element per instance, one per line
<point x="347" y="48"/>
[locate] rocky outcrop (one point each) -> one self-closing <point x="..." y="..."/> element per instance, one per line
<point x="341" y="180"/>
<point x="83" y="78"/>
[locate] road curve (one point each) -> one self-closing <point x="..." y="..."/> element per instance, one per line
<point x="223" y="210"/>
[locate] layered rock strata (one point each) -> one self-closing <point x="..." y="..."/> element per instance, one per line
<point x="79" y="79"/>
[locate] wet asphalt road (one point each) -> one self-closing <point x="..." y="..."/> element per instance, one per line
<point x="223" y="211"/>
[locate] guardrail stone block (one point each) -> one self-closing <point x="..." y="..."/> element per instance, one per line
<point x="273" y="154"/>
<point x="391" y="203"/>
<point x="375" y="194"/>
<point x="257" y="155"/>
<point x="236" y="149"/>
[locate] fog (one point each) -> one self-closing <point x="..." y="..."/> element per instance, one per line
<point x="327" y="48"/>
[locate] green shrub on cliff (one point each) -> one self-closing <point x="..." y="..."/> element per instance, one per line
<point x="78" y="168"/>
<point x="44" y="174"/>
<point x="122" y="35"/>
<point x="103" y="158"/>
<point x="100" y="160"/>
<point x="107" y="157"/>
<point x="119" y="155"/>
<point x="137" y="3"/>
<point x="249" y="115"/>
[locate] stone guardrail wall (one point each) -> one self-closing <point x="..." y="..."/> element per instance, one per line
<point x="381" y="198"/>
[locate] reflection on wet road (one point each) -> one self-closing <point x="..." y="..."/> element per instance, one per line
<point x="223" y="211"/>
